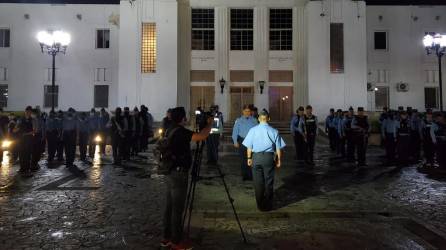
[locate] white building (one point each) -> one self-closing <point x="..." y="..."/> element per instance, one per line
<point x="165" y="53"/>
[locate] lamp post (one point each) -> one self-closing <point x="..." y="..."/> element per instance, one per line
<point x="436" y="44"/>
<point x="222" y="84"/>
<point x="262" y="86"/>
<point x="53" y="43"/>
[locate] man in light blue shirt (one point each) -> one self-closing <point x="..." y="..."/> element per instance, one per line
<point x="241" y="127"/>
<point x="264" y="144"/>
<point x="297" y="128"/>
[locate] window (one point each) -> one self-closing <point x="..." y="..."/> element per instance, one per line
<point x="203" y="29"/>
<point x="3" y="74"/>
<point x="242" y="29"/>
<point x="101" y="75"/>
<point x="381" y="98"/>
<point x="4" y="38"/>
<point x="3" y="95"/>
<point x="280" y="29"/>
<point x="380" y="38"/>
<point x="382" y="76"/>
<point x="102" y="39"/>
<point x="101" y="96"/>
<point x="431" y="97"/>
<point x="337" y="48"/>
<point x="48" y="94"/>
<point x="431" y="76"/>
<point x="148" y="48"/>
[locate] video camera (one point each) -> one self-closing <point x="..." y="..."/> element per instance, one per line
<point x="201" y="117"/>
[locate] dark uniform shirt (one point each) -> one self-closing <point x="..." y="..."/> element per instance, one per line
<point x="181" y="146"/>
<point x="311" y="125"/>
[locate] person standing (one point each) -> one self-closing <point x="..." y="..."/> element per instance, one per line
<point x="104" y="119"/>
<point x="69" y="133"/>
<point x="403" y="141"/>
<point x="264" y="152"/>
<point x="428" y="144"/>
<point x="361" y="129"/>
<point x="213" y="141"/>
<point x="415" y="136"/>
<point x="39" y="136"/>
<point x="349" y="136"/>
<point x="93" y="123"/>
<point x="330" y="129"/>
<point x="52" y="134"/>
<point x="178" y="178"/>
<point x="389" y="132"/>
<point x="60" y="145"/>
<point x="84" y="136"/>
<point x="311" y="133"/>
<point x="241" y="128"/>
<point x="128" y="129"/>
<point x="24" y="130"/>
<point x="438" y="133"/>
<point x="117" y="136"/>
<point x="297" y="128"/>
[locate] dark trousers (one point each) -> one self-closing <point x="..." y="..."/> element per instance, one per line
<point x="60" y="148"/>
<point x="144" y="141"/>
<point x="429" y="151"/>
<point x="341" y="146"/>
<point x="390" y="143"/>
<point x="91" y="143"/>
<point x="350" y="146"/>
<point x="36" y="150"/>
<point x="263" y="176"/>
<point x="311" y="142"/>
<point x="103" y="143"/>
<point x="246" y="170"/>
<point x="51" y="138"/>
<point x="177" y="183"/>
<point x="299" y="143"/>
<point x="441" y="153"/>
<point x="69" y="141"/>
<point x="83" y="142"/>
<point x="332" y="138"/>
<point x="403" y="147"/>
<point x="212" y="143"/>
<point x="126" y="145"/>
<point x="25" y="152"/>
<point x="135" y="145"/>
<point x="117" y="147"/>
<point x="361" y="147"/>
<point x="415" y="145"/>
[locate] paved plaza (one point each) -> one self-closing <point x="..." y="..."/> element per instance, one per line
<point x="331" y="206"/>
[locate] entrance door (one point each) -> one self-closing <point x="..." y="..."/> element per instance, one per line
<point x="240" y="96"/>
<point x="201" y="96"/>
<point x="280" y="103"/>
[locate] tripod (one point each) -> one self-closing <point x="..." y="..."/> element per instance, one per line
<point x="195" y="173"/>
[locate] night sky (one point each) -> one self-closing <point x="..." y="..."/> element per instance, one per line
<point x="369" y="2"/>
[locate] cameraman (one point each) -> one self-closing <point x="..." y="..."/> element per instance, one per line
<point x="177" y="181"/>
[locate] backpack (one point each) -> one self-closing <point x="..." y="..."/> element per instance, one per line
<point x="166" y="158"/>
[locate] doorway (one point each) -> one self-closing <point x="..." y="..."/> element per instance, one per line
<point x="281" y="103"/>
<point x="240" y="96"/>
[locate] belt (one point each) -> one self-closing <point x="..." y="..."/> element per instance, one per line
<point x="263" y="153"/>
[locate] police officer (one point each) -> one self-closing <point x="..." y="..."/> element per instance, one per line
<point x="264" y="146"/>
<point x="25" y="132"/>
<point x="38" y="138"/>
<point x="311" y="133"/>
<point x="84" y="135"/>
<point x="213" y="141"/>
<point x="117" y="136"/>
<point x="104" y="119"/>
<point x="52" y="135"/>
<point x="349" y="135"/>
<point x="428" y="144"/>
<point x="389" y="130"/>
<point x="241" y="128"/>
<point x="403" y="144"/>
<point x="438" y="132"/>
<point x="94" y="123"/>
<point x="129" y="130"/>
<point x="339" y="116"/>
<point x="60" y="145"/>
<point x="361" y="129"/>
<point x="330" y="129"/>
<point x="415" y="136"/>
<point x="297" y="128"/>
<point x="341" y="134"/>
<point x="69" y="132"/>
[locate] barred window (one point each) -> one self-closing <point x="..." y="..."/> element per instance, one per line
<point x="3" y="95"/>
<point x="203" y="33"/>
<point x="242" y="29"/>
<point x="337" y="48"/>
<point x="431" y="97"/>
<point x="381" y="98"/>
<point x="102" y="39"/>
<point x="4" y="38"/>
<point x="47" y="96"/>
<point x="280" y="29"/>
<point x="148" y="48"/>
<point x="101" y="96"/>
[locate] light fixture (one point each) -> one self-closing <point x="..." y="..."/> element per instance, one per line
<point x="436" y="45"/>
<point x="98" y="139"/>
<point x="262" y="86"/>
<point x="222" y="84"/>
<point x="6" y="144"/>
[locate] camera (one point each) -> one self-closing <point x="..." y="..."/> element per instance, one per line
<point x="201" y="117"/>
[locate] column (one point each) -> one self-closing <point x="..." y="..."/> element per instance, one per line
<point x="300" y="78"/>
<point x="261" y="55"/>
<point x="222" y="54"/>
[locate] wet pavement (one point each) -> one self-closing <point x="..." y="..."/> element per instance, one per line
<point x="331" y="206"/>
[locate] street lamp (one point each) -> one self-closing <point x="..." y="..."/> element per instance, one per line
<point x="222" y="84"/>
<point x="436" y="44"/>
<point x="262" y="86"/>
<point x="53" y="43"/>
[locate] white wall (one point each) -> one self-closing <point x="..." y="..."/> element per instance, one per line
<point x="327" y="90"/>
<point x="406" y="58"/>
<point x="26" y="64"/>
<point x="157" y="90"/>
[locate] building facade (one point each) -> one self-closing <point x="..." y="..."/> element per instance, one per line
<point x="276" y="55"/>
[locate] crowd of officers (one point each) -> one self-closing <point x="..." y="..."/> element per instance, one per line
<point x="60" y="132"/>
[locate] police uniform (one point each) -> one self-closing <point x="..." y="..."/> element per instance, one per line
<point x="348" y="132"/>
<point x="104" y="119"/>
<point x="311" y="133"/>
<point x="241" y="128"/>
<point x="69" y="131"/>
<point x="415" y="136"/>
<point x="389" y="130"/>
<point x="438" y="132"/>
<point x="330" y="128"/>
<point x="404" y="129"/>
<point x="84" y="128"/>
<point x="361" y="128"/>
<point x="25" y="132"/>
<point x="117" y="136"/>
<point x="93" y="125"/>
<point x="38" y="146"/>
<point x="60" y="144"/>
<point x="428" y="144"/>
<point x="297" y="128"/>
<point x="263" y="140"/>
<point x="213" y="141"/>
<point x="128" y="129"/>
<point x="340" y="137"/>
<point x="52" y="134"/>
